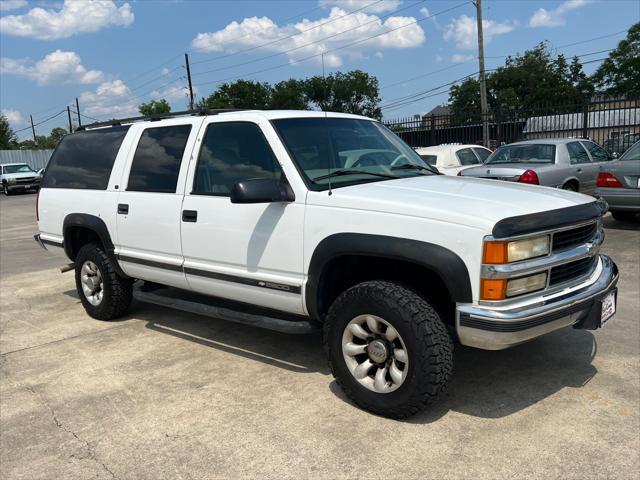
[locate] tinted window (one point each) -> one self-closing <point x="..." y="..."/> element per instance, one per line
<point x="524" y="153"/>
<point x="632" y="154"/>
<point x="156" y="163"/>
<point x="482" y="153"/>
<point x="467" y="157"/>
<point x="430" y="159"/>
<point x="84" y="159"/>
<point x="577" y="154"/>
<point x="598" y="153"/>
<point x="230" y="153"/>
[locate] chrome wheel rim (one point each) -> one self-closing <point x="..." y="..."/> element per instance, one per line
<point x="375" y="353"/>
<point x="92" y="285"/>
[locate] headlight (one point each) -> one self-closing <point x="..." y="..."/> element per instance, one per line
<point x="518" y="286"/>
<point x="11" y="180"/>
<point x="514" y="251"/>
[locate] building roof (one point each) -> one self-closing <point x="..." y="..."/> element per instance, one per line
<point x="439" y="110"/>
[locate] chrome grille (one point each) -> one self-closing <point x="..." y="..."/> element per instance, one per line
<point x="25" y="180"/>
<point x="571" y="270"/>
<point x="575" y="236"/>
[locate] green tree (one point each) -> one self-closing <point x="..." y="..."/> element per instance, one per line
<point x="351" y="92"/>
<point x="289" y="95"/>
<point x="154" y="107"/>
<point x="524" y="83"/>
<point x="239" y="94"/>
<point x="619" y="74"/>
<point x="8" y="139"/>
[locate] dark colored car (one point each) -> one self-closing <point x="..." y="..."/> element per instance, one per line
<point x="619" y="184"/>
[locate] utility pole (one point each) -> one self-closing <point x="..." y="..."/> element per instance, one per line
<point x="483" y="80"/>
<point x="78" y="112"/>
<point x="186" y="61"/>
<point x="33" y="129"/>
<point x="69" y="117"/>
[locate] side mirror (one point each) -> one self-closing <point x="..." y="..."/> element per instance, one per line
<point x="615" y="155"/>
<point x="262" y="190"/>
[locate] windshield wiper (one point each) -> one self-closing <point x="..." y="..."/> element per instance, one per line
<point x="346" y="171"/>
<point x="413" y="166"/>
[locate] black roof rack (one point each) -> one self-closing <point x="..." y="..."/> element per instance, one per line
<point x="119" y="121"/>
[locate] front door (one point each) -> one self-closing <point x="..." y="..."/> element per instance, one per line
<point x="149" y="207"/>
<point x="245" y="252"/>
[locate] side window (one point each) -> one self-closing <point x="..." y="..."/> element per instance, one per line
<point x="156" y="163"/>
<point x="598" y="153"/>
<point x="482" y="153"/>
<point x="84" y="159"/>
<point x="232" y="152"/>
<point x="430" y="159"/>
<point x="577" y="154"/>
<point x="467" y="157"/>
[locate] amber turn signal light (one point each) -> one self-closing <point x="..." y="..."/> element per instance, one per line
<point x="493" y="289"/>
<point x="495" y="253"/>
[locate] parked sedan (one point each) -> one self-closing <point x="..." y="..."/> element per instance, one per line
<point x="571" y="164"/>
<point x="619" y="184"/>
<point x="452" y="158"/>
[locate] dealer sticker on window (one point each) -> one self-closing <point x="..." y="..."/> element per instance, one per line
<point x="608" y="308"/>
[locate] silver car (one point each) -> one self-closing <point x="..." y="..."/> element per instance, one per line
<point x="568" y="163"/>
<point x="619" y="185"/>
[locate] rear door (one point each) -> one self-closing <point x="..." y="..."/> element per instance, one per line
<point x="149" y="204"/>
<point x="582" y="167"/>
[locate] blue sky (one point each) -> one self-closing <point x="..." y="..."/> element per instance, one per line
<point x="114" y="54"/>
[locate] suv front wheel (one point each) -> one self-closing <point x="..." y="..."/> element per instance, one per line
<point x="104" y="294"/>
<point x="388" y="349"/>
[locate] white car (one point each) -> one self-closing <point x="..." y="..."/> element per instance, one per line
<point x="18" y="177"/>
<point x="452" y="158"/>
<point x="256" y="217"/>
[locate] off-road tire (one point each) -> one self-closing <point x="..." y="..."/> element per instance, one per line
<point x="623" y="216"/>
<point x="117" y="290"/>
<point x="428" y="345"/>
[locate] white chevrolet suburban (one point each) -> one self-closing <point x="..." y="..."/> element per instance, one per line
<point x="298" y="220"/>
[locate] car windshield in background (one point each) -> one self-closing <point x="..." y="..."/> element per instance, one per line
<point x="18" y="169"/>
<point x="430" y="159"/>
<point x="360" y="150"/>
<point x="632" y="154"/>
<point x="523" y="153"/>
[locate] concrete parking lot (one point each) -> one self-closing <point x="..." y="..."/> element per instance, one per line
<point x="165" y="394"/>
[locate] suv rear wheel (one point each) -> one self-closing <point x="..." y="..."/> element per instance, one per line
<point x="104" y="294"/>
<point x="388" y="349"/>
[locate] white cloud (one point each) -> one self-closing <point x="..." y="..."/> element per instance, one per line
<point x="351" y="5"/>
<point x="464" y="31"/>
<point x="12" y="4"/>
<point x="311" y="36"/>
<point x="424" y="11"/>
<point x="56" y="68"/>
<point x="555" y="18"/>
<point x="461" y="57"/>
<point x="75" y="16"/>
<point x="110" y="99"/>
<point x="439" y="58"/>
<point x="14" y="117"/>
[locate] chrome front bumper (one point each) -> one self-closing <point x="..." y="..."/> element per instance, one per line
<point x="491" y="328"/>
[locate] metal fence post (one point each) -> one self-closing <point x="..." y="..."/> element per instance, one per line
<point x="585" y="119"/>
<point x="433" y="129"/>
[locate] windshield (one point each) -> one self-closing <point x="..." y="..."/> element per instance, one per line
<point x="633" y="153"/>
<point x="523" y="153"/>
<point x="362" y="150"/>
<point x="18" y="169"/>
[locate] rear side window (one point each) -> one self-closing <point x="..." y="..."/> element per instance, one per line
<point x="156" y="163"/>
<point x="577" y="154"/>
<point x="598" y="153"/>
<point x="430" y="159"/>
<point x="230" y="153"/>
<point x="482" y="153"/>
<point x="467" y="157"/>
<point x="84" y="159"/>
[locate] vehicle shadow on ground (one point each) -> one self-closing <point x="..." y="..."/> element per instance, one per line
<point x="611" y="223"/>
<point x="484" y="384"/>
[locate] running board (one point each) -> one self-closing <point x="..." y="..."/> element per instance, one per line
<point x="219" y="309"/>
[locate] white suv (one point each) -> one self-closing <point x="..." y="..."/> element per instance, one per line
<point x="298" y="220"/>
<point x="452" y="158"/>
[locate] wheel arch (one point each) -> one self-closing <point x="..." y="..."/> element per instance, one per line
<point x="81" y="228"/>
<point x="436" y="262"/>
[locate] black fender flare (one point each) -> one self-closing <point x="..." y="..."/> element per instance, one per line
<point x="95" y="224"/>
<point x="449" y="267"/>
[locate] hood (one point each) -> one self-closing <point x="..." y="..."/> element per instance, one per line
<point x="503" y="169"/>
<point x="19" y="175"/>
<point x="472" y="202"/>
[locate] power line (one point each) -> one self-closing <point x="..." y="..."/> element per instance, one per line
<point x="290" y="36"/>
<point x="42" y="121"/>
